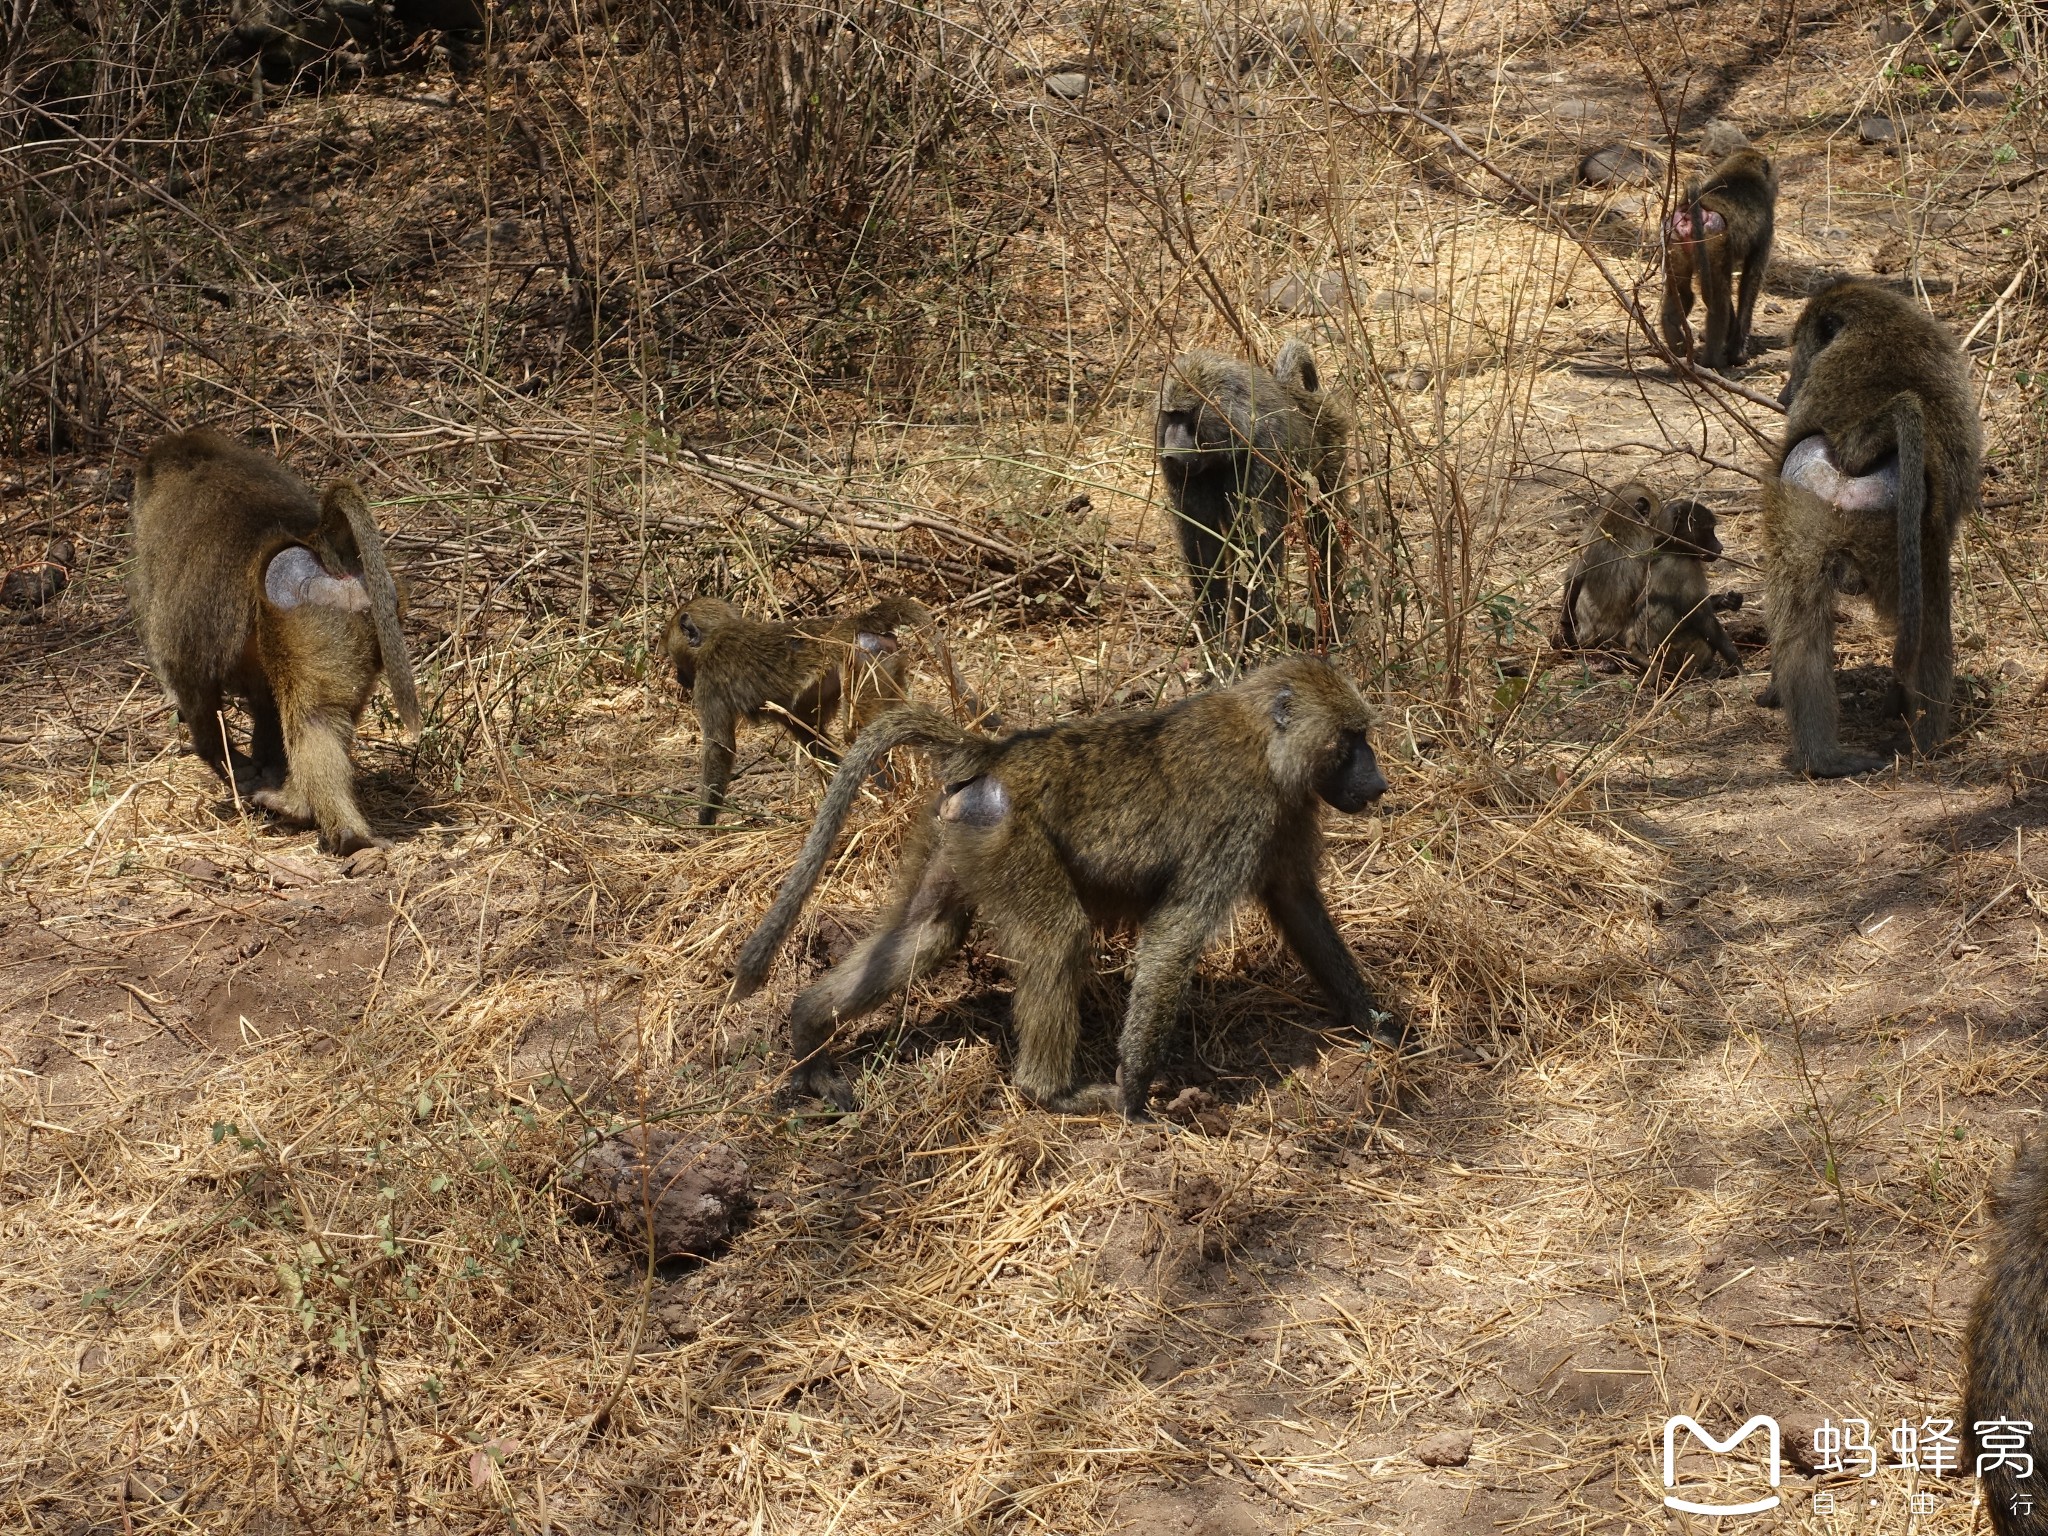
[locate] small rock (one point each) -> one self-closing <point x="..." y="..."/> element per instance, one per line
<point x="40" y="581"/>
<point x="1620" y="165"/>
<point x="287" y="872"/>
<point x="1197" y="1197"/>
<point x="1890" y="255"/>
<point x="1878" y="130"/>
<point x="192" y="867"/>
<point x="1398" y="298"/>
<point x="1199" y="1110"/>
<point x="1321" y="295"/>
<point x="1445" y="1448"/>
<point x="691" y="1195"/>
<point x="1795" y="1438"/>
<point x="1721" y="138"/>
<point x="1068" y="85"/>
<point x="1424" y="1258"/>
<point x="365" y="861"/>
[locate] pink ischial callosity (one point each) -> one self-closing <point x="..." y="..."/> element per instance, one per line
<point x="295" y="576"/>
<point x="1812" y="467"/>
<point x="1679" y="225"/>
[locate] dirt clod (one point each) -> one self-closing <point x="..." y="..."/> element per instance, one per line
<point x="690" y="1196"/>
<point x="1445" y="1448"/>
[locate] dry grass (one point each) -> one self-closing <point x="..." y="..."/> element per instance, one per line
<point x="1715" y="1066"/>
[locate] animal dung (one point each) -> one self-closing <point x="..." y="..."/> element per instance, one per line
<point x="680" y="1197"/>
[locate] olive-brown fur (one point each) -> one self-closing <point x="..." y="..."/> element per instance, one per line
<point x="209" y="516"/>
<point x="2006" y="1348"/>
<point x="1235" y="445"/>
<point x="1166" y="819"/>
<point x="1743" y="190"/>
<point x="1677" y="633"/>
<point x="1603" y="594"/>
<point x="804" y="675"/>
<point x="1882" y="381"/>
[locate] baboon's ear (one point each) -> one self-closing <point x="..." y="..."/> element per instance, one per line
<point x="1283" y="705"/>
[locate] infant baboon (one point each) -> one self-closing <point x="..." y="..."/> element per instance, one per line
<point x="1878" y="468"/>
<point x="1236" y="444"/>
<point x="1603" y="595"/>
<point x="1724" y="222"/>
<point x="1677" y="633"/>
<point x="246" y="586"/>
<point x="806" y="676"/>
<point x="2006" y="1350"/>
<point x="1164" y="818"/>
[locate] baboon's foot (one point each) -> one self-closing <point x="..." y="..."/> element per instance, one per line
<point x="1768" y="697"/>
<point x="1842" y="764"/>
<point x="818" y="1079"/>
<point x="1089" y="1099"/>
<point x="285" y="807"/>
<point x="348" y="841"/>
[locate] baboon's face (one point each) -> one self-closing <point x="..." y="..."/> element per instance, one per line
<point x="1351" y="779"/>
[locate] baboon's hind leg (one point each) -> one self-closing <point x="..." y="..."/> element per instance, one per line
<point x="1799" y="609"/>
<point x="916" y="934"/>
<point x="320" y="786"/>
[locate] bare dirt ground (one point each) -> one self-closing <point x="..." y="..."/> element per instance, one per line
<point x="1716" y="1066"/>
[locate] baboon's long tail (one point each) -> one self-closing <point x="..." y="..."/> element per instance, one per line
<point x="1909" y="427"/>
<point x="345" y="500"/>
<point x="905" y="725"/>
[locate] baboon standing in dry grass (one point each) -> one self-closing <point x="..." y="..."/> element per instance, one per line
<point x="1162" y="818"/>
<point x="2006" y="1350"/>
<point x="1236" y="444"/>
<point x="245" y="585"/>
<point x="1879" y="466"/>
<point x="804" y="676"/>
<point x="1724" y="222"/>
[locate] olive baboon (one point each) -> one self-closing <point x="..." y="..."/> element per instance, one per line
<point x="1724" y="222"/>
<point x="1236" y="444"/>
<point x="1677" y="633"/>
<point x="245" y="585"/>
<point x="1603" y="594"/>
<point x="807" y="676"/>
<point x="1162" y="818"/>
<point x="2006" y="1348"/>
<point x="1878" y="467"/>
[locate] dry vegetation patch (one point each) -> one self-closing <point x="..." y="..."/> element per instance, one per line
<point x="801" y="305"/>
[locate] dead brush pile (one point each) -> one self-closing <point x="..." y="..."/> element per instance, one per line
<point x="799" y="305"/>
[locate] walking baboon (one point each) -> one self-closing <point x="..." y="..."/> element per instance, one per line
<point x="245" y="585"/>
<point x="1603" y="594"/>
<point x="1878" y="467"/>
<point x="2005" y="1388"/>
<point x="1724" y="222"/>
<point x="1165" y="818"/>
<point x="806" y="676"/>
<point x="1236" y="444"/>
<point x="1677" y="631"/>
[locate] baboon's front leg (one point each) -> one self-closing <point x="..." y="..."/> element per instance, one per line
<point x="1168" y="951"/>
<point x="720" y="728"/>
<point x="1297" y="910"/>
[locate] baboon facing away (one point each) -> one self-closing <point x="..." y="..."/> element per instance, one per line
<point x="1236" y="444"/>
<point x="1878" y="467"/>
<point x="805" y="676"/>
<point x="2006" y="1348"/>
<point x="1164" y="818"/>
<point x="1724" y="222"/>
<point x="1603" y="594"/>
<point x="245" y="585"/>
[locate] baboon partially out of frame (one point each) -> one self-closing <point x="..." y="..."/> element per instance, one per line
<point x="1603" y="594"/>
<point x="1166" y="819"/>
<point x="805" y="676"/>
<point x="246" y="585"/>
<point x="1878" y="467"/>
<point x="2005" y="1352"/>
<point x="1723" y="222"/>
<point x="1236" y="444"/>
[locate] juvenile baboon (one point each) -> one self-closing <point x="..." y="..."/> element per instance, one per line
<point x="1603" y="594"/>
<point x="1166" y="819"/>
<point x="245" y="585"/>
<point x="1677" y="631"/>
<point x="1724" y="222"/>
<point x="1878" y="467"/>
<point x="2006" y="1348"/>
<point x="806" y="676"/>
<point x="1236" y="444"/>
